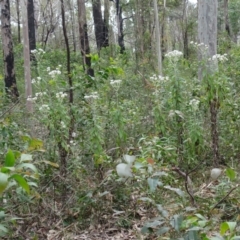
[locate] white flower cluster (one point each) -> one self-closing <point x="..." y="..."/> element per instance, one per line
<point x="31" y="99"/>
<point x="55" y="72"/>
<point x="194" y="103"/>
<point x="115" y="82"/>
<point x="44" y="107"/>
<point x="48" y="69"/>
<point x="219" y="57"/>
<point x="74" y="134"/>
<point x="61" y="95"/>
<point x="37" y="51"/>
<point x="40" y="94"/>
<point x="199" y="45"/>
<point x="63" y="124"/>
<point x="93" y="95"/>
<point x="174" y="54"/>
<point x="159" y="78"/>
<point x="36" y="81"/>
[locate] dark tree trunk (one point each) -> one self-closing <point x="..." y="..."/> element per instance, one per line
<point x="84" y="43"/>
<point x="31" y="27"/>
<point x="8" y="57"/>
<point x="120" y="27"/>
<point x="226" y="18"/>
<point x="99" y="25"/>
<point x="18" y="21"/>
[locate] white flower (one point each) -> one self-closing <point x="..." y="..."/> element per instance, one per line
<point x="74" y="135"/>
<point x="61" y="95"/>
<point x="174" y="54"/>
<point x="219" y="57"/>
<point x="39" y="78"/>
<point x="34" y="81"/>
<point x="53" y="73"/>
<point x="34" y="51"/>
<point x="44" y="107"/>
<point x="31" y="99"/>
<point x="93" y="95"/>
<point x="63" y="124"/>
<point x="40" y="94"/>
<point x="115" y="82"/>
<point x="48" y="69"/>
<point x="194" y="103"/>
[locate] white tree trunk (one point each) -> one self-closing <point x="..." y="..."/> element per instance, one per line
<point x="207" y="34"/>
<point x="158" y="38"/>
<point x="27" y="72"/>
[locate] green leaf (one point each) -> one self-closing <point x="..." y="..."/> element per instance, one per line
<point x="223" y="228"/>
<point x="35" y="144"/>
<point x="3" y="182"/>
<point x="231" y="174"/>
<point x="176" y="190"/>
<point x="9" y="159"/>
<point x="153" y="183"/>
<point x="162" y="230"/>
<point x="176" y="222"/>
<point x="26" y="157"/>
<point x="232" y="226"/>
<point x="27" y="165"/>
<point x="3" y="229"/>
<point x="21" y="181"/>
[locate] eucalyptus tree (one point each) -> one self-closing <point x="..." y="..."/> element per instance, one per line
<point x="83" y="34"/>
<point x="120" y="26"/>
<point x="31" y="26"/>
<point x="158" y="38"/>
<point x="99" y="26"/>
<point x="26" y="53"/>
<point x="207" y="37"/>
<point x="8" y="56"/>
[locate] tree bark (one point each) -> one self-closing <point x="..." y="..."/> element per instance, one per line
<point x="100" y="35"/>
<point x="31" y="27"/>
<point x="18" y="21"/>
<point x="207" y="34"/>
<point x="226" y="18"/>
<point x="83" y="34"/>
<point x="120" y="27"/>
<point x="158" y="38"/>
<point x="8" y="56"/>
<point x="26" y="53"/>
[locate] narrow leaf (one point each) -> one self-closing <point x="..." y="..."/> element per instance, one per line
<point x="26" y="157"/>
<point x="231" y="174"/>
<point x="3" y="182"/>
<point x="21" y="181"/>
<point x="9" y="159"/>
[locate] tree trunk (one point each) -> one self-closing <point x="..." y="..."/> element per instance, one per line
<point x="83" y="34"/>
<point x="158" y="38"/>
<point x="7" y="43"/>
<point x="207" y="34"/>
<point x="18" y="21"/>
<point x="72" y="16"/>
<point x="99" y="25"/>
<point x="31" y="27"/>
<point x="120" y="27"/>
<point x="226" y="18"/>
<point x="27" y="73"/>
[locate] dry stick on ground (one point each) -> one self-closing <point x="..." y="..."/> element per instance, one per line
<point x="188" y="181"/>
<point x="224" y="197"/>
<point x="9" y="109"/>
